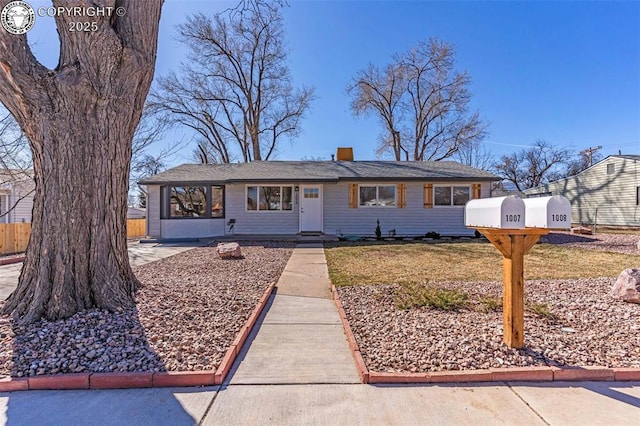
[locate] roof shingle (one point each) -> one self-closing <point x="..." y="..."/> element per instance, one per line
<point x="318" y="171"/>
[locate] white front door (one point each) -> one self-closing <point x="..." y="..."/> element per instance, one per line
<point x="310" y="208"/>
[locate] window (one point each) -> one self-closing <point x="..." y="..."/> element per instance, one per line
<point x="217" y="201"/>
<point x="193" y="202"/>
<point x="311" y="193"/>
<point x="611" y="169"/>
<point x="451" y="195"/>
<point x="637" y="195"/>
<point x="377" y="196"/>
<point x="188" y="201"/>
<point x="269" y="198"/>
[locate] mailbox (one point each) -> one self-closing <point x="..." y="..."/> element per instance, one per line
<point x="499" y="212"/>
<point x="548" y="212"/>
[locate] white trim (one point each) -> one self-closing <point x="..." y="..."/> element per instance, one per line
<point x="377" y="186"/>
<point x="257" y="210"/>
<point x="452" y="185"/>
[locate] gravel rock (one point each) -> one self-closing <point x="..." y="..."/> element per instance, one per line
<point x="621" y="243"/>
<point x="189" y="309"/>
<point x="586" y="327"/>
<point x="627" y="286"/>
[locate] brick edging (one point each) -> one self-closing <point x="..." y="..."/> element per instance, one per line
<point x="363" y="372"/>
<point x="510" y="374"/>
<point x="10" y="260"/>
<point x="128" y="380"/>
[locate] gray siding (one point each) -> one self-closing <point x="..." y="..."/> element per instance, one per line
<point x="414" y="219"/>
<point x="154" y="229"/>
<point x="19" y="199"/>
<point x="259" y="222"/>
<point x="191" y="228"/>
<point x="595" y="195"/>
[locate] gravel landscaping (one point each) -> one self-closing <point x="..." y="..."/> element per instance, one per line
<point x="621" y="243"/>
<point x="576" y="323"/>
<point x="189" y="310"/>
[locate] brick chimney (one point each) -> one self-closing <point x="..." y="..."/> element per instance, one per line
<point x="344" y="154"/>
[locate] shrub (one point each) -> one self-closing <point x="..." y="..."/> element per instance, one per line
<point x="412" y="295"/>
<point x="490" y="304"/>
<point x="540" y="309"/>
<point x="378" y="230"/>
<point x="433" y="234"/>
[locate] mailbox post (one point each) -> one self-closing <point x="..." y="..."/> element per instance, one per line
<point x="502" y="221"/>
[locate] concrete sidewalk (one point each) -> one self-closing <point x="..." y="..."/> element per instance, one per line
<point x="298" y="370"/>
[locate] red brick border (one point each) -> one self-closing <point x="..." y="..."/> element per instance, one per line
<point x="10" y="260"/>
<point x="507" y="374"/>
<point x="142" y="379"/>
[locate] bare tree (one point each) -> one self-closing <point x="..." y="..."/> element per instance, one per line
<point x="533" y="166"/>
<point x="381" y="93"/>
<point x="582" y="161"/>
<point x="144" y="163"/>
<point x="80" y="119"/>
<point x="15" y="161"/>
<point x="475" y="154"/>
<point x="235" y="89"/>
<point x="422" y="102"/>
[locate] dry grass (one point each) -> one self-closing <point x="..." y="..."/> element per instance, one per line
<point x="354" y="264"/>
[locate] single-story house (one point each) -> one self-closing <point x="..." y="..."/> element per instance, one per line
<point x="607" y="193"/>
<point x="16" y="196"/>
<point x="321" y="197"/>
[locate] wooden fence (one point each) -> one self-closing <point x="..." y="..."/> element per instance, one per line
<point x="14" y="237"/>
<point x="136" y="228"/>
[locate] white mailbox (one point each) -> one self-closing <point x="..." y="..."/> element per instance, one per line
<point x="547" y="212"/>
<point x="498" y="212"/>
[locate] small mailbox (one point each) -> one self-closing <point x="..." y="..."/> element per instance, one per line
<point x="498" y="212"/>
<point x="548" y="212"/>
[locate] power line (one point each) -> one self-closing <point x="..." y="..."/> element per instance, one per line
<point x="589" y="153"/>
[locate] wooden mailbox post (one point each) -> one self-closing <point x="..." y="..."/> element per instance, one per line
<point x="502" y="221"/>
<point x="513" y="244"/>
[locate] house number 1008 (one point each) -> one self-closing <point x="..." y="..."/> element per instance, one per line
<point x="558" y="217"/>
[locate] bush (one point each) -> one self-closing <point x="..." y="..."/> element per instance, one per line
<point x="490" y="304"/>
<point x="433" y="234"/>
<point x="540" y="309"/>
<point x="378" y="230"/>
<point x="412" y="295"/>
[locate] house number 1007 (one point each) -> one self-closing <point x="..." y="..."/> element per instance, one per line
<point x="512" y="217"/>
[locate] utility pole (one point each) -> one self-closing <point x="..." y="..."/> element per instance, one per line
<point x="589" y="153"/>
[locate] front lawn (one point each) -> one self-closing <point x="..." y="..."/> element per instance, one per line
<point x="386" y="263"/>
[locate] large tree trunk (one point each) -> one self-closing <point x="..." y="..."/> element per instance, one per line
<point x="80" y="119"/>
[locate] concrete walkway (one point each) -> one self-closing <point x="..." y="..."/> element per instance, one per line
<point x="300" y="340"/>
<point x="298" y="371"/>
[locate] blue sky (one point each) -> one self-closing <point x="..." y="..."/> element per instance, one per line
<point x="567" y="72"/>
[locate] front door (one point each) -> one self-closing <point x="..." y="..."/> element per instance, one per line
<point x="311" y="208"/>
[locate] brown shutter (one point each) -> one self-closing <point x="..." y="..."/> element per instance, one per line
<point x="353" y="195"/>
<point x="476" y="190"/>
<point x="428" y="195"/>
<point x="401" y="189"/>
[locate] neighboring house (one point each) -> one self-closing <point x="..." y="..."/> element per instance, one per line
<point x="136" y="213"/>
<point x="298" y="197"/>
<point x="607" y="193"/>
<point x="16" y="196"/>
